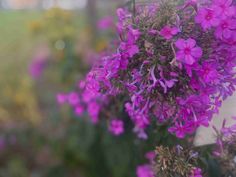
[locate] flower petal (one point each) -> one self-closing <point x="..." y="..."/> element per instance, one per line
<point x="180" y="43"/>
<point x="191" y="43"/>
<point x="227" y="33"/>
<point x="175" y="30"/>
<point x="196" y="52"/>
<point x="180" y="55"/>
<point x="189" y="60"/>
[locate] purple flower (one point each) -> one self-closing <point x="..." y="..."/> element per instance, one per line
<point x="179" y="130"/>
<point x="196" y="172"/>
<point x="122" y="14"/>
<point x="79" y="110"/>
<point x="116" y="127"/>
<point x="105" y="23"/>
<point x="226" y="29"/>
<point x="129" y="49"/>
<point x="73" y="98"/>
<point x="223" y="8"/>
<point x="188" y="52"/>
<point x="209" y="73"/>
<point x="207" y="18"/>
<point x="37" y="67"/>
<point x="150" y="155"/>
<point x="144" y="171"/>
<point x="93" y="111"/>
<point x="168" y="32"/>
<point x="61" y="98"/>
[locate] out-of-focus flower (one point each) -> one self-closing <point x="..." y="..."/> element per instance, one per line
<point x="116" y="127"/>
<point x="37" y="67"/>
<point x="144" y="171"/>
<point x="61" y="98"/>
<point x="105" y="23"/>
<point x="196" y="172"/>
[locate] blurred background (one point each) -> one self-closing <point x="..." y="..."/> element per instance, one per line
<point x="46" y="46"/>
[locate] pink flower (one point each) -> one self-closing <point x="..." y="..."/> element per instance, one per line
<point x="116" y="127"/>
<point x="188" y="52"/>
<point x="144" y="171"/>
<point x="226" y="29"/>
<point x="207" y="18"/>
<point x="167" y="32"/>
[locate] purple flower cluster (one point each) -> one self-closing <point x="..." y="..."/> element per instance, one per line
<point x="196" y="172"/>
<point x="173" y="65"/>
<point x="37" y="67"/>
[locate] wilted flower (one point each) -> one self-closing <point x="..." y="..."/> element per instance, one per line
<point x="176" y="161"/>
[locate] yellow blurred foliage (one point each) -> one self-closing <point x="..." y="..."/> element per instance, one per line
<point x="21" y="104"/>
<point x="55" y="24"/>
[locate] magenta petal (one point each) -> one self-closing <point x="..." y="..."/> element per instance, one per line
<point x="227" y="33"/>
<point x="230" y="11"/>
<point x="215" y="22"/>
<point x="180" y="43"/>
<point x="180" y="55"/>
<point x="170" y="83"/>
<point x="189" y="60"/>
<point x="191" y="42"/>
<point x="197" y="52"/>
<point x="228" y="2"/>
<point x="232" y="24"/>
<point x="174" y="31"/>
<point x="206" y="25"/>
<point x="200" y="15"/>
<point x="218" y="33"/>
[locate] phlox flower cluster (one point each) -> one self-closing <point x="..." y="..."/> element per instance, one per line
<point x="174" y="65"/>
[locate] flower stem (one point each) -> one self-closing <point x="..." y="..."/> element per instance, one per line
<point x="134" y="8"/>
